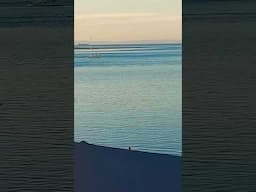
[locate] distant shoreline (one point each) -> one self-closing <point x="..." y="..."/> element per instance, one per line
<point x="119" y="45"/>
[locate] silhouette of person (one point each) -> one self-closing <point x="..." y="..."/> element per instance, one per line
<point x="129" y="148"/>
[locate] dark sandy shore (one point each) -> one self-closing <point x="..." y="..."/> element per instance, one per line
<point x="104" y="169"/>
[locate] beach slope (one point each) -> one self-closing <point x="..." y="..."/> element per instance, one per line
<point x="104" y="169"/>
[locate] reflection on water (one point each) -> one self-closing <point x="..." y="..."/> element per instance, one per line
<point x="129" y="95"/>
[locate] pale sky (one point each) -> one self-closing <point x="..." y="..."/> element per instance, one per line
<point x="128" y="20"/>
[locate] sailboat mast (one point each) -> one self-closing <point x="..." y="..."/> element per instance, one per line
<point x="91" y="46"/>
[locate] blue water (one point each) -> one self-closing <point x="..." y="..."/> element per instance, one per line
<point x="129" y="95"/>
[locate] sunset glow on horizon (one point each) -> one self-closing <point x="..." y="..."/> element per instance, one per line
<point x="122" y="20"/>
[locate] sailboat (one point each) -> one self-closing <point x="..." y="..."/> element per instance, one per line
<point x="92" y="54"/>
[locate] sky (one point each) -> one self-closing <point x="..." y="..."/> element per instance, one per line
<point x="128" y="20"/>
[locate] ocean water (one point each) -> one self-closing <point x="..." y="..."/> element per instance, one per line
<point x="129" y="95"/>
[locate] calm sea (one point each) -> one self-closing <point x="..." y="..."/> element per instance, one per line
<point x="129" y="95"/>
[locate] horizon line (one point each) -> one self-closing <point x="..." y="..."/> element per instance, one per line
<point x="135" y="41"/>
